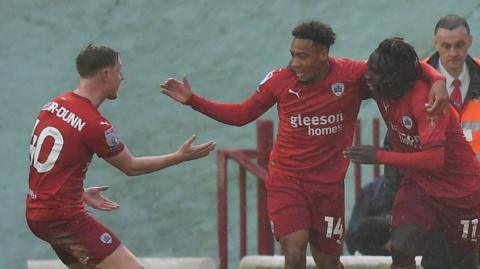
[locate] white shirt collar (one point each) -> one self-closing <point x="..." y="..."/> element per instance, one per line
<point x="464" y="77"/>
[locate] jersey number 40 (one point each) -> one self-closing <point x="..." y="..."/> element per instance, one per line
<point x="36" y="147"/>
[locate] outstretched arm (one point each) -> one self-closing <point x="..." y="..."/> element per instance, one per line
<point x="237" y="114"/>
<point x="431" y="159"/>
<point x="134" y="166"/>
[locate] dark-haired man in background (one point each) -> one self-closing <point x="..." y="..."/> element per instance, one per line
<point x="452" y="39"/>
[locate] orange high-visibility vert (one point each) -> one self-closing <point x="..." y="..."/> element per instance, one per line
<point x="470" y="121"/>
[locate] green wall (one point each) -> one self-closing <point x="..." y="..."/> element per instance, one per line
<point x="225" y="47"/>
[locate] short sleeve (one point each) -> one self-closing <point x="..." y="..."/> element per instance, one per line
<point x="102" y="138"/>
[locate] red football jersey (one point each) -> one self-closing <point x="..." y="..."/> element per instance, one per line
<point x="67" y="132"/>
<point x="412" y="129"/>
<point x="315" y="120"/>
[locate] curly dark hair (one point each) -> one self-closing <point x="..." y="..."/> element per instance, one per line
<point x="317" y="31"/>
<point x="93" y="58"/>
<point x="393" y="68"/>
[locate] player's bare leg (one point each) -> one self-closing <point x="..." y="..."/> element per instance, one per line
<point x="294" y="247"/>
<point x="323" y="260"/>
<point x="121" y="258"/>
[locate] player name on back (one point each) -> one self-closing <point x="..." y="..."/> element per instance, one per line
<point x="65" y="114"/>
<point x="330" y="124"/>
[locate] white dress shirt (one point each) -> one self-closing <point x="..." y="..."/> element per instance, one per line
<point x="464" y="77"/>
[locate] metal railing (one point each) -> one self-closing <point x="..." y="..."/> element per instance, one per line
<point x="246" y="162"/>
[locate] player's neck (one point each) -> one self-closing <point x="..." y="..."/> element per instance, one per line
<point x="91" y="91"/>
<point x="323" y="72"/>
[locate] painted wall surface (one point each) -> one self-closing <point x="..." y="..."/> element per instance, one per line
<point x="225" y="48"/>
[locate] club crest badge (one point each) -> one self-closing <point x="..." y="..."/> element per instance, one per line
<point x="106" y="238"/>
<point x="111" y="137"/>
<point x="338" y="88"/>
<point x="407" y="122"/>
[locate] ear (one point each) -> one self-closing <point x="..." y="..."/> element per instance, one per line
<point x="435" y="42"/>
<point x="105" y="74"/>
<point x="324" y="54"/>
<point x="469" y="40"/>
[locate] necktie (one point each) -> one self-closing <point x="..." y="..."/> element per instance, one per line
<point x="456" y="95"/>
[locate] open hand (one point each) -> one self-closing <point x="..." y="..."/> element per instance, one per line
<point x="361" y="154"/>
<point x="177" y="90"/>
<point x="94" y="199"/>
<point x="438" y="97"/>
<point x="187" y="151"/>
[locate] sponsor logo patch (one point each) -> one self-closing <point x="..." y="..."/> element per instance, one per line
<point x="294" y="92"/>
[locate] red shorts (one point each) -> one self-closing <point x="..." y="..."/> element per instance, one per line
<point x="81" y="238"/>
<point x="295" y="205"/>
<point x="457" y="217"/>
